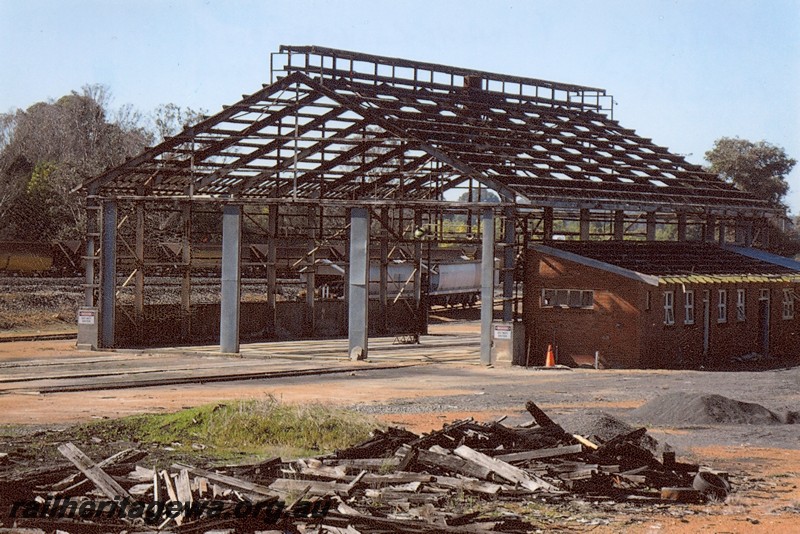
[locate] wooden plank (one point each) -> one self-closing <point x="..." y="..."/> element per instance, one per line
<point x="72" y="482"/>
<point x="399" y="477"/>
<point x="505" y="470"/>
<point x="541" y="418"/>
<point x="585" y="442"/>
<point x="469" y="484"/>
<point x="452" y="464"/>
<point x="92" y="471"/>
<point x="229" y="481"/>
<point x="316" y="487"/>
<point x="540" y="453"/>
<point x="183" y="487"/>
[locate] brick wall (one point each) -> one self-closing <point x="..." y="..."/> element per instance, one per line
<point x="628" y="334"/>
<point x="611" y="326"/>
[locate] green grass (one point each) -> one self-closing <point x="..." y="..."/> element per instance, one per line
<point x="253" y="427"/>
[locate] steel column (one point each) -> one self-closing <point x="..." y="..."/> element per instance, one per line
<point x="651" y="226"/>
<point x="418" y="327"/>
<point x="231" y="278"/>
<point x="547" y="221"/>
<point x="619" y="225"/>
<point x="108" y="289"/>
<point x="272" y="256"/>
<point x="138" y="293"/>
<point x="681" y="227"/>
<point x="311" y="279"/>
<point x="585" y="221"/>
<point x="487" y="284"/>
<point x="358" y="288"/>
<point x="91" y="236"/>
<point x="384" y="272"/>
<point x="509" y="254"/>
<point x="186" y="275"/>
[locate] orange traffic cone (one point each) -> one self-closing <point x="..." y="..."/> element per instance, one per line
<point x="550" y="360"/>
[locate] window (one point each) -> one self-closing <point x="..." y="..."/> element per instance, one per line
<point x="788" y="304"/>
<point x="688" y="307"/>
<point x="669" y="307"/>
<point x="740" y="308"/>
<point x="567" y="298"/>
<point x="722" y="306"/>
<point x="647" y="304"/>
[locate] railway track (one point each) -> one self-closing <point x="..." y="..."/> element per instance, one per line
<point x="38" y="337"/>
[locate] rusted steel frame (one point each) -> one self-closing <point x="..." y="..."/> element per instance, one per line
<point x="216" y="147"/>
<point x="424" y="66"/>
<point x="441" y="94"/>
<point x="308" y="175"/>
<point x="277" y="144"/>
<point x="562" y="188"/>
<point x="186" y="135"/>
<point x="379" y="160"/>
<point x="403" y="169"/>
<point x="344" y="156"/>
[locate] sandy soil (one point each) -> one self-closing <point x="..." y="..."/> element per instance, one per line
<point x="764" y="462"/>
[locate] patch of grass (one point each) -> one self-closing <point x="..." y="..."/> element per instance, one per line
<point x="256" y="427"/>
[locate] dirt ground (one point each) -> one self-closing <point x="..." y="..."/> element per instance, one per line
<point x="763" y="461"/>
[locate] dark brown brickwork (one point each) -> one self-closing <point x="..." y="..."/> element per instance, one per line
<point x="629" y="335"/>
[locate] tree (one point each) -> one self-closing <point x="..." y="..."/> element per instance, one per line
<point x="52" y="147"/>
<point x="759" y="168"/>
<point x="170" y="119"/>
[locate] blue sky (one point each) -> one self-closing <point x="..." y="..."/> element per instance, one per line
<point x="682" y="72"/>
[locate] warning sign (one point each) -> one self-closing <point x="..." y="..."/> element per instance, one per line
<point x="86" y="316"/>
<point x="502" y="331"/>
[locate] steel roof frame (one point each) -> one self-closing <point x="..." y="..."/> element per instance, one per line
<point x="329" y="128"/>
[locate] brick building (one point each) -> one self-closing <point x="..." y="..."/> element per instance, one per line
<point x="659" y="304"/>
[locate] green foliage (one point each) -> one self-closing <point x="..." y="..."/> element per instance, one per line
<point x="52" y="147"/>
<point x="759" y="168"/>
<point x="249" y="426"/>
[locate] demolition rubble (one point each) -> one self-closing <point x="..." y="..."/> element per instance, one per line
<point x="457" y="479"/>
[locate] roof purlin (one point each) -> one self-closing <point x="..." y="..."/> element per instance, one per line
<point x="185" y="136"/>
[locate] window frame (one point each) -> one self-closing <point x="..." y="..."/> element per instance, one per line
<point x="669" y="308"/>
<point x="568" y="296"/>
<point x="788" y="304"/>
<point x="722" y="306"/>
<point x="688" y="306"/>
<point x="741" y="305"/>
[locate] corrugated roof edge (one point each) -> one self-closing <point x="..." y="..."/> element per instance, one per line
<point x="765" y="256"/>
<point x="597" y="264"/>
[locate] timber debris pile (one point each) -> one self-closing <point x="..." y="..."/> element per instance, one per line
<point x="397" y="481"/>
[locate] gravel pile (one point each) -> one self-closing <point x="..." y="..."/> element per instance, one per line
<point x="697" y="409"/>
<point x="602" y="425"/>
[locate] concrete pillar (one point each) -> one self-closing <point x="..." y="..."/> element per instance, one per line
<point x="108" y="277"/>
<point x="358" y="288"/>
<point x="231" y="278"/>
<point x="509" y="256"/>
<point x="487" y="284"/>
